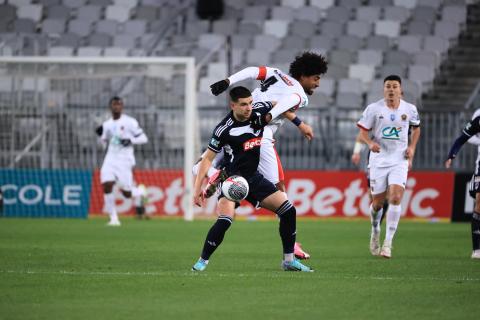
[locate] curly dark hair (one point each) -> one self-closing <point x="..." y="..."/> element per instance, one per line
<point x="308" y="64"/>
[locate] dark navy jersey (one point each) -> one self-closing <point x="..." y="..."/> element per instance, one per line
<point x="473" y="127"/>
<point x="244" y="144"/>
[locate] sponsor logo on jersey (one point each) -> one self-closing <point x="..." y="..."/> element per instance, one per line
<point x="391" y="133"/>
<point x="252" y="143"/>
<point x="214" y="142"/>
<point x="284" y="78"/>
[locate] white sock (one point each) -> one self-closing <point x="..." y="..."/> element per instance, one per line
<point x="393" y="217"/>
<point x="288" y="256"/>
<point x="375" y="218"/>
<point x="109" y="199"/>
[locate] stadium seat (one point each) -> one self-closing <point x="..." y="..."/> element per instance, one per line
<point x="400" y="14"/>
<point x="282" y="13"/>
<point x="456" y="14"/>
<point x="147" y="13"/>
<point x="91" y="13"/>
<point x="293" y="42"/>
<point x="430" y="3"/>
<point x="351" y="85"/>
<point x="255" y="13"/>
<point x="277" y="28"/>
<point x="117" y="13"/>
<point x="436" y="43"/>
<point x="249" y="28"/>
<point x="341" y="57"/>
<point x="79" y="27"/>
<point x="332" y="28"/>
<point x="447" y="29"/>
<point x="427" y="58"/>
<point x="327" y="87"/>
<point x="135" y="28"/>
<point x="387" y="28"/>
<point x="303" y="28"/>
<point x="336" y="71"/>
<point x="225" y="27"/>
<point x="115" y="52"/>
<point x="109" y="27"/>
<point x="397" y="57"/>
<point x="100" y="40"/>
<point x="31" y="11"/>
<point x="359" y="28"/>
<point x="364" y="72"/>
<point x="392" y="68"/>
<point x="266" y="42"/>
<point x="410" y="43"/>
<point x="24" y="26"/>
<point x="60" y="51"/>
<point x="368" y="13"/>
<point x="209" y="41"/>
<point x="324" y="41"/>
<point x="241" y="41"/>
<point x="257" y="57"/>
<point x="370" y="57"/>
<point x="318" y="100"/>
<point x="308" y="14"/>
<point x="424" y="13"/>
<point x="124" y="41"/>
<point x="284" y="55"/>
<point x="351" y="43"/>
<point x="19" y="3"/>
<point x="381" y="43"/>
<point x="53" y="26"/>
<point x="339" y="14"/>
<point x="420" y="28"/>
<point x="349" y="100"/>
<point x="217" y="70"/>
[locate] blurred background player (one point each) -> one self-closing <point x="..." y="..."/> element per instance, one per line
<point x="235" y="130"/>
<point x="118" y="134"/>
<point x="286" y="90"/>
<point x="388" y="122"/>
<point x="471" y="133"/>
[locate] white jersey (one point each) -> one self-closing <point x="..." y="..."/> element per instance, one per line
<point x="275" y="85"/>
<point x="389" y="128"/>
<point x="124" y="127"/>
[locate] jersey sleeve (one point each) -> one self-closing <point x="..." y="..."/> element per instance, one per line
<point x="218" y="139"/>
<point x="262" y="106"/>
<point x="473" y="127"/>
<point x="414" y="117"/>
<point x="367" y="120"/>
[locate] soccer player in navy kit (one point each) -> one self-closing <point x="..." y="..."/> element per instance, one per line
<point x="236" y="131"/>
<point x="471" y="130"/>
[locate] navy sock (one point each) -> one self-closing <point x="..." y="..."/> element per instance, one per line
<point x="288" y="225"/>
<point x="476" y="230"/>
<point x="215" y="236"/>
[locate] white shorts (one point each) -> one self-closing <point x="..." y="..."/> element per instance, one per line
<point x="270" y="166"/>
<point x="120" y="172"/>
<point x="382" y="177"/>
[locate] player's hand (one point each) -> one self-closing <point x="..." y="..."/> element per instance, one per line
<point x="374" y="147"/>
<point x="99" y="130"/>
<point x="356" y="158"/>
<point x="199" y="198"/>
<point x="258" y="120"/>
<point x="409" y="153"/>
<point x="125" y="142"/>
<point x="219" y="87"/>
<point x="448" y="163"/>
<point x="306" y="130"/>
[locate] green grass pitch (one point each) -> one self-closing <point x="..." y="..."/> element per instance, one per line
<point x="81" y="269"/>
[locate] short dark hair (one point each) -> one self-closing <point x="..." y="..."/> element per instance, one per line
<point x="393" y="77"/>
<point x="238" y="93"/>
<point x="114" y="98"/>
<point x="308" y="64"/>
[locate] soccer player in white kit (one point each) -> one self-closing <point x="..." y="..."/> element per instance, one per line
<point x="285" y="90"/>
<point x="388" y="121"/>
<point x="119" y="134"/>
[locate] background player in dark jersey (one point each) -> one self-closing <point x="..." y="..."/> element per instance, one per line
<point x="235" y="130"/>
<point x="472" y="128"/>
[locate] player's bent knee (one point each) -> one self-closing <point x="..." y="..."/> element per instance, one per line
<point x="274" y="201"/>
<point x="226" y="207"/>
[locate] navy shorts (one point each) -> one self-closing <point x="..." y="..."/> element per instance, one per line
<point x="259" y="189"/>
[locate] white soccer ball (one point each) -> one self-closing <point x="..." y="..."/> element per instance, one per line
<point x="235" y="188"/>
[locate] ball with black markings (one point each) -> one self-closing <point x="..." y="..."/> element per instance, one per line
<point x="235" y="188"/>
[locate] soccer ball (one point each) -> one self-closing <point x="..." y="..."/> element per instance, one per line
<point x="235" y="188"/>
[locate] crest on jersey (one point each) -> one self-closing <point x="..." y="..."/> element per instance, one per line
<point x="404" y="117"/>
<point x="392" y="117"/>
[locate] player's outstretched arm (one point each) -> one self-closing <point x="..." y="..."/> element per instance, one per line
<point x="258" y="73"/>
<point x="304" y="128"/>
<point x="457" y="145"/>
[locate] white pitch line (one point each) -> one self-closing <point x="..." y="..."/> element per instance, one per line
<point x="317" y="275"/>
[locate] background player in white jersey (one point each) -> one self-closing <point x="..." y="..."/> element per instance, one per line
<point x="388" y="122"/>
<point x="119" y="134"/>
<point x="471" y="132"/>
<point x="289" y="90"/>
